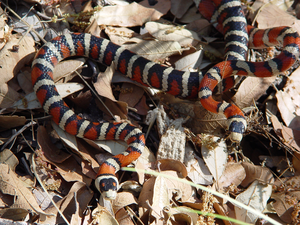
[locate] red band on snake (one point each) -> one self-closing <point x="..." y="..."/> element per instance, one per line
<point x="178" y="83"/>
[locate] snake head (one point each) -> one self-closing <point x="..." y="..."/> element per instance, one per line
<point x="237" y="126"/>
<point x="107" y="185"/>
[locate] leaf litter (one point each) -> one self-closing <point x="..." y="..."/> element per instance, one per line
<point x="47" y="175"/>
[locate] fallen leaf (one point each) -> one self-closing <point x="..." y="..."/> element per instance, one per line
<point x="119" y="35"/>
<point x="288" y="101"/>
<point x="111" y="106"/>
<point x="180" y="7"/>
<point x="256" y="173"/>
<point x="76" y="201"/>
<point x="131" y="94"/>
<point x="256" y="196"/>
<point x="161" y="7"/>
<point x="12" y="61"/>
<point x="251" y="89"/>
<point x="164" y="32"/>
<point x="15" y="214"/>
<point x="153" y="50"/>
<point x="289" y="137"/>
<point x="286" y="195"/>
<point x="8" y="157"/>
<point x="8" y="96"/>
<point x="174" y="165"/>
<point x="101" y="215"/>
<point x="234" y="173"/>
<point x="214" y="152"/>
<point x="122" y="200"/>
<point x="7" y="122"/>
<point x="201" y="120"/>
<point x="11" y="185"/>
<point x="196" y="168"/>
<point x="33" y="103"/>
<point x="191" y="61"/>
<point x="24" y="81"/>
<point x="272" y="16"/>
<point x="126" y="16"/>
<point x="49" y="149"/>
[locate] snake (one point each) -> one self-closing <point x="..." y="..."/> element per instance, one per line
<point x="238" y="36"/>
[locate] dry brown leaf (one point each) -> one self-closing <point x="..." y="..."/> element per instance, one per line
<point x="8" y="96"/>
<point x="161" y="7"/>
<point x="102" y="85"/>
<point x="124" y="217"/>
<point x="253" y="172"/>
<point x="201" y="120"/>
<point x="214" y="152"/>
<point x="154" y="50"/>
<point x="190" y="61"/>
<point x="66" y="68"/>
<point x="296" y="164"/>
<point x="251" y="89"/>
<point x="260" y="4"/>
<point x="8" y="122"/>
<point x="123" y="199"/>
<point x="142" y="107"/>
<point x="234" y="173"/>
<point x="196" y="167"/>
<point x="165" y="32"/>
<point x="272" y="16"/>
<point x="69" y="169"/>
<point x="283" y="207"/>
<point x="119" y="35"/>
<point x="115" y="108"/>
<point x="9" y="158"/>
<point x="75" y="202"/>
<point x="131" y="94"/>
<point x="126" y="16"/>
<point x="287" y="195"/>
<point x="15" y="214"/>
<point x="157" y="193"/>
<point x="83" y="99"/>
<point x="174" y="165"/>
<point x="255" y="196"/>
<point x="289" y="137"/>
<point x="201" y="27"/>
<point x="68" y="139"/>
<point x="180" y="7"/>
<point x="24" y="81"/>
<point x="12" y="61"/>
<point x="286" y="107"/>
<point x="180" y="215"/>
<point x="3" y="27"/>
<point x="165" y="189"/>
<point x="288" y="101"/>
<point x="101" y="215"/>
<point x="89" y="165"/>
<point x="103" y="88"/>
<point x="49" y="149"/>
<point x="11" y="185"/>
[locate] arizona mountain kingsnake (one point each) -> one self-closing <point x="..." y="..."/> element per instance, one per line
<point x="231" y="22"/>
